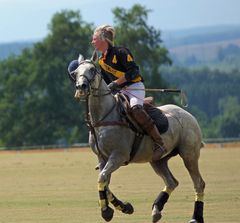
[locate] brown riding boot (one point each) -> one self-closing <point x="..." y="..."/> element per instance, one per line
<point x="147" y="124"/>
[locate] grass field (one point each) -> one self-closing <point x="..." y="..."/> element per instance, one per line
<point x="61" y="187"/>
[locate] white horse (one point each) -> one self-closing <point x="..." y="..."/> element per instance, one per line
<point x="112" y="142"/>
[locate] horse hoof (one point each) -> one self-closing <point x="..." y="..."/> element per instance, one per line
<point x="156" y="214"/>
<point x="156" y="217"/>
<point x="196" y="221"/>
<point x="107" y="214"/>
<point x="128" y="208"/>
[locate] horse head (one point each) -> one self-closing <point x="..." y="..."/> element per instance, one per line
<point x="86" y="76"/>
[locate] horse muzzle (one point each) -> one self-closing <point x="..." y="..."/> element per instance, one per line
<point x="81" y="91"/>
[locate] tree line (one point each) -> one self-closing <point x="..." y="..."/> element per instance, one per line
<point x="213" y="96"/>
<point x="36" y="97"/>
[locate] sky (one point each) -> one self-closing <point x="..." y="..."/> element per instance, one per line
<point x="28" y="19"/>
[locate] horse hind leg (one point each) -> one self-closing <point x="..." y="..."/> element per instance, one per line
<point x="199" y="185"/>
<point x="161" y="169"/>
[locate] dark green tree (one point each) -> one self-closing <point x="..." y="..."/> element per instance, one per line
<point x="36" y="96"/>
<point x="12" y="98"/>
<point x="36" y="104"/>
<point x="229" y="125"/>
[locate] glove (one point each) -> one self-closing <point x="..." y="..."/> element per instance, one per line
<point x="113" y="86"/>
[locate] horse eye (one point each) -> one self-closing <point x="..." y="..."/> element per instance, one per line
<point x="92" y="70"/>
<point x="72" y="76"/>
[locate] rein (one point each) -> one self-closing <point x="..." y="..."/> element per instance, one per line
<point x="101" y="122"/>
<point x="91" y="92"/>
<point x="96" y="92"/>
<point x="92" y="124"/>
<point x="92" y="130"/>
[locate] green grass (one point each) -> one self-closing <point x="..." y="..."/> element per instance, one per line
<point x="61" y="187"/>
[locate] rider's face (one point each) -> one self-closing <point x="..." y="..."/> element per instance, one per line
<point x="98" y="43"/>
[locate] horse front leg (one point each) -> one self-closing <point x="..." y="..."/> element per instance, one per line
<point x="106" y="211"/>
<point x="124" y="207"/>
<point x="105" y="195"/>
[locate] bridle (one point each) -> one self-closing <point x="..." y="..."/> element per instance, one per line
<point x="95" y="92"/>
<point x="92" y="91"/>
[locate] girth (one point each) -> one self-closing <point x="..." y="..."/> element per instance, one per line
<point x="109" y="123"/>
<point x="137" y="139"/>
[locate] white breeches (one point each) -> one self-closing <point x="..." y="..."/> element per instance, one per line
<point x="136" y="97"/>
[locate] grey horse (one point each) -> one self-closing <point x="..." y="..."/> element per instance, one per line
<point x="183" y="137"/>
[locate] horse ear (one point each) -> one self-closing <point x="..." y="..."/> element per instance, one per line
<point x="80" y="58"/>
<point x="94" y="56"/>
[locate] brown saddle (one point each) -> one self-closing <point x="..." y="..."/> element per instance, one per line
<point x="155" y="113"/>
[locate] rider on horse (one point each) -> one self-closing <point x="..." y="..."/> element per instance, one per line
<point x="119" y="71"/>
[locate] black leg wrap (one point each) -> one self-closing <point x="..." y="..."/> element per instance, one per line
<point x="161" y="200"/>
<point x="116" y="202"/>
<point x="103" y="195"/>
<point x="198" y="211"/>
<point x="126" y="208"/>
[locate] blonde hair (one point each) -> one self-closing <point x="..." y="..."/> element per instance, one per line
<point x="106" y="32"/>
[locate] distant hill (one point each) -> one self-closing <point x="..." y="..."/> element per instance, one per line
<point x="195" y="46"/>
<point x="203" y="45"/>
<point x="200" y="35"/>
<point x="14" y="48"/>
<point x="204" y="52"/>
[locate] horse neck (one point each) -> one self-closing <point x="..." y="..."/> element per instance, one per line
<point x="102" y="104"/>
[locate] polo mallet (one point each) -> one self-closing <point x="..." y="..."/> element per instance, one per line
<point x="184" y="101"/>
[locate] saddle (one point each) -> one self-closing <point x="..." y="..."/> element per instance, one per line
<point x="156" y="114"/>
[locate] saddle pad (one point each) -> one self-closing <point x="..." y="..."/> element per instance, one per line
<point x="158" y="116"/>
